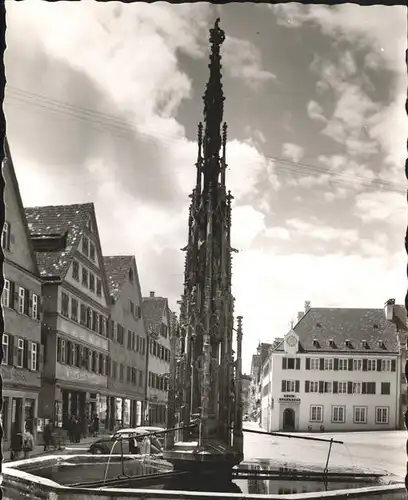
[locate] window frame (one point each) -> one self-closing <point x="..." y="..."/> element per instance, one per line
<point x="343" y="364"/>
<point x="357" y="365"/>
<point x="34" y="356"/>
<point x="34" y="306"/>
<point x="75" y="270"/>
<point x="20" y="351"/>
<point x="6" y="293"/>
<point x="359" y="407"/>
<point x="328" y="364"/>
<point x="5" y="360"/>
<point x="386" y="365"/>
<point x="21" y="299"/>
<point x="371" y="365"/>
<point x="5" y="236"/>
<point x="379" y="408"/>
<point x="316" y="420"/>
<point x="338" y="407"/>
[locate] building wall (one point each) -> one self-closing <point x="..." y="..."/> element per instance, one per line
<point x="132" y="355"/>
<point x="21" y="385"/>
<point x="302" y="401"/>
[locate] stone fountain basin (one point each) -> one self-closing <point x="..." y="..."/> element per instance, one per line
<point x="81" y="477"/>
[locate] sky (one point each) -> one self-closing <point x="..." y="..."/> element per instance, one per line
<point x="102" y="105"/>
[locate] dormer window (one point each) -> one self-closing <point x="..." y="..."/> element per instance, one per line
<point x="332" y="343"/>
<point x="316" y="343"/>
<point x="381" y="344"/>
<point x="364" y="344"/>
<point x="375" y="326"/>
<point x="318" y="325"/>
<point x="348" y="344"/>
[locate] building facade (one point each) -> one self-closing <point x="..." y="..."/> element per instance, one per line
<point x="21" y="299"/>
<point x="336" y="370"/>
<point x="246" y="384"/>
<point x="75" y="308"/>
<point x="127" y="344"/>
<point x="159" y="320"/>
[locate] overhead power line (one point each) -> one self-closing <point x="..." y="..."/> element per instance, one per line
<point x="125" y="129"/>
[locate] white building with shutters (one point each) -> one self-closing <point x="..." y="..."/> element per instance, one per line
<point x="336" y="370"/>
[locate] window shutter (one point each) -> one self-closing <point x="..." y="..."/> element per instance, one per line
<point x="29" y="299"/>
<point x="349" y="387"/>
<point x="297" y="363"/>
<point x="335" y="387"/>
<point x="26" y="358"/>
<point x="307" y="363"/>
<point x="26" y="301"/>
<point x="321" y="364"/>
<point x="393" y="365"/>
<point x="321" y="386"/>
<point x="58" y="349"/>
<point x="350" y="365"/>
<point x="364" y="365"/>
<point x="10" y="360"/>
<point x="284" y="363"/>
<point x="139" y="312"/>
<point x="336" y="363"/>
<point x="378" y="365"/>
<point x="13" y="295"/>
<point x="307" y="383"/>
<point x="283" y="388"/>
<point x="40" y="357"/>
<point x="371" y="387"/>
<point x="297" y="386"/>
<point x="364" y="388"/>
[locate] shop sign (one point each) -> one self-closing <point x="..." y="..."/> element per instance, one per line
<point x="289" y="398"/>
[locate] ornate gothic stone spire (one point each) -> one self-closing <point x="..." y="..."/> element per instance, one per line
<point x="213" y="110"/>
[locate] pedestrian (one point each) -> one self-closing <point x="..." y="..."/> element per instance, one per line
<point x="16" y="445"/>
<point x="71" y="428"/>
<point x="96" y="426"/>
<point x="48" y="435"/>
<point x="77" y="430"/>
<point x="28" y="442"/>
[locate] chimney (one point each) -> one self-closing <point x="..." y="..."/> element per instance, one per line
<point x="151" y="295"/>
<point x="307" y="305"/>
<point x="389" y="309"/>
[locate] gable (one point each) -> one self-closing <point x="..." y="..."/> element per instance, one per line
<point x="19" y="243"/>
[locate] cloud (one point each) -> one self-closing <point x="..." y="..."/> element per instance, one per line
<point x="243" y="60"/>
<point x="381" y="206"/>
<point x="315" y="111"/>
<point x="292" y="151"/>
<point x="323" y="232"/>
<point x="367" y="30"/>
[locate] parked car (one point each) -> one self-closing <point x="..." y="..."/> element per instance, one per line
<point x="125" y="439"/>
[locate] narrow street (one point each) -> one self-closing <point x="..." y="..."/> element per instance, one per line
<point x="383" y="450"/>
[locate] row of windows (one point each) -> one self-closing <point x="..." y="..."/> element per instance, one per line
<point x="73" y="354"/>
<point x="345" y="364"/>
<point x="293" y="386"/>
<point x="20" y="352"/>
<point x="88" y="279"/>
<point x="159" y="351"/>
<point x="20" y="299"/>
<point x="159" y="382"/>
<point x="83" y="314"/>
<point x="134" y="341"/>
<point x="360" y="414"/>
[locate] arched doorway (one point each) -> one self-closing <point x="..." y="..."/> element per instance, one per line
<point x="289" y="419"/>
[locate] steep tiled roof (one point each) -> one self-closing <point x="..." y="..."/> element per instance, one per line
<point x="58" y="220"/>
<point x="117" y="271"/>
<point x="153" y="308"/>
<point x="341" y="324"/>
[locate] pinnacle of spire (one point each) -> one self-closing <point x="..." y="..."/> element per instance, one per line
<point x="213" y="107"/>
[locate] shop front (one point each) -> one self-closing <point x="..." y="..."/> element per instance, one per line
<point x="19" y="410"/>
